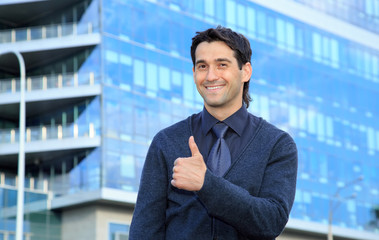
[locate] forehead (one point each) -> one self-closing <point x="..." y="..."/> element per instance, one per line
<point x="213" y="50"/>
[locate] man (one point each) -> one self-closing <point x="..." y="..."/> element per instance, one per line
<point x="200" y="182"/>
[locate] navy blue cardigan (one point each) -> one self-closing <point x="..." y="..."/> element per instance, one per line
<point x="251" y="201"/>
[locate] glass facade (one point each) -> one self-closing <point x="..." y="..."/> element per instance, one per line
<point x="118" y="231"/>
<point x="320" y="87"/>
<point x="51" y="117"/>
<point x="364" y="13"/>
<point x="39" y="223"/>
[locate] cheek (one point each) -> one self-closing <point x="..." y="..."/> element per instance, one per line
<point x="198" y="78"/>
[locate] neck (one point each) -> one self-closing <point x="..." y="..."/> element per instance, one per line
<point x="222" y="113"/>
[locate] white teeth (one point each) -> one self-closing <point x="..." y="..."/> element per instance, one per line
<point x="212" y="88"/>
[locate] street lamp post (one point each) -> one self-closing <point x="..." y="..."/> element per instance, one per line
<point x="21" y="153"/>
<point x="332" y="207"/>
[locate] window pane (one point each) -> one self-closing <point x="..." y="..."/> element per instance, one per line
<point x="290" y="30"/>
<point x="164" y="78"/>
<point x="152" y="76"/>
<point x="231" y="12"/>
<point x="241" y="15"/>
<point x="316" y="40"/>
<point x="139" y="72"/>
<point x="188" y="88"/>
<point x="280" y="33"/>
<point x="251" y="21"/>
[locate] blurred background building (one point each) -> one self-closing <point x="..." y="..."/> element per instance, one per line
<point x="103" y="76"/>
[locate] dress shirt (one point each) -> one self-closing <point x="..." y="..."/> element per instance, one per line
<point x="237" y="136"/>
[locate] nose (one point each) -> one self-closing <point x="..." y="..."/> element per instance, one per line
<point x="212" y="74"/>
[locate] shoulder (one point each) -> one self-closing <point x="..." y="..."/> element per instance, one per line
<point x="177" y="129"/>
<point x="172" y="142"/>
<point x="177" y="133"/>
<point x="268" y="132"/>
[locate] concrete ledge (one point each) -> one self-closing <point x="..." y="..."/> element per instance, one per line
<point x="51" y="145"/>
<point x="52" y="94"/>
<point x="53" y="43"/>
<point x="101" y="195"/>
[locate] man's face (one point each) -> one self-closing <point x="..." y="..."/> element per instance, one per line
<point x="218" y="77"/>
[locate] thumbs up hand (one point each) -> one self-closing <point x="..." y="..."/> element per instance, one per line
<point x="188" y="173"/>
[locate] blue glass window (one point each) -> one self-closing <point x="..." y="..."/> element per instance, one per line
<point x="311" y="121"/>
<point x="261" y="21"/>
<point x="188" y="93"/>
<point x="334" y="53"/>
<point x="241" y="16"/>
<point x="375" y="68"/>
<point x="176" y="78"/>
<point x="290" y="32"/>
<point x="329" y="127"/>
<point x="140" y="121"/>
<point x="127" y="166"/>
<point x="302" y="119"/>
<point x="320" y="126"/>
<point x="292" y="116"/>
<point x="139" y="72"/>
<point x="164" y="78"/>
<point x="300" y="39"/>
<point x="118" y="229"/>
<point x="198" y="6"/>
<point x="325" y="48"/>
<point x="280" y="32"/>
<point x="209" y="7"/>
<point x="152" y="76"/>
<point x="271" y="28"/>
<point x="138" y="22"/>
<point x="251" y="16"/>
<point x="316" y="43"/>
<point x="220" y="11"/>
<point x="230" y="12"/>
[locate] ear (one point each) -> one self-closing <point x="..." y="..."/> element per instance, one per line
<point x="193" y="74"/>
<point x="247" y="70"/>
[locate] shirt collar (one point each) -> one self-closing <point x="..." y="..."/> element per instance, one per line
<point x="208" y="121"/>
<point x="236" y="121"/>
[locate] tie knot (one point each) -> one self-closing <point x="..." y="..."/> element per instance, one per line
<point x="220" y="129"/>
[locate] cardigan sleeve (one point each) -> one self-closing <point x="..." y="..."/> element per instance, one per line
<point x="149" y="215"/>
<point x="264" y="215"/>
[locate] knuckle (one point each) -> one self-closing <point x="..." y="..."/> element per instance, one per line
<point x="178" y="161"/>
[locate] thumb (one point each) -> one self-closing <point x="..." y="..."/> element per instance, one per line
<point x="192" y="145"/>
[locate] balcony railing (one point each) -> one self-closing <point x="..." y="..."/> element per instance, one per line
<point x="47" y="31"/>
<point x="42" y="133"/>
<point x="32" y="184"/>
<point x="45" y="82"/>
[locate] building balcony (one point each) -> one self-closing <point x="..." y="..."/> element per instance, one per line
<point x="36" y="194"/>
<point x="47" y="37"/>
<point x="46" y="32"/>
<point x="50" y="138"/>
<point x="50" y="143"/>
<point x="49" y="87"/>
<point x="36" y="200"/>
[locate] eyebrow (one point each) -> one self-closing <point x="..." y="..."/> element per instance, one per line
<point x="223" y="60"/>
<point x="217" y="60"/>
<point x="199" y="61"/>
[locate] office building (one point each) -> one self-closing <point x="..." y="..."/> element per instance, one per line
<point x="104" y="76"/>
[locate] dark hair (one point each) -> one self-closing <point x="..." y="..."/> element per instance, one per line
<point x="237" y="42"/>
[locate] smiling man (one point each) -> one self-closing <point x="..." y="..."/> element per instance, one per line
<point x="222" y="173"/>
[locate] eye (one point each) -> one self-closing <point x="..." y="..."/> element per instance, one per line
<point x="201" y="66"/>
<point x="222" y="65"/>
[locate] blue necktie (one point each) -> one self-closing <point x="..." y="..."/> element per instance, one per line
<point x="219" y="158"/>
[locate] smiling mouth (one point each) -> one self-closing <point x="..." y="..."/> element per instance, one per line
<point x="214" y="88"/>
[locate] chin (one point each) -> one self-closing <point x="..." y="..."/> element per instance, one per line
<point x="215" y="104"/>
